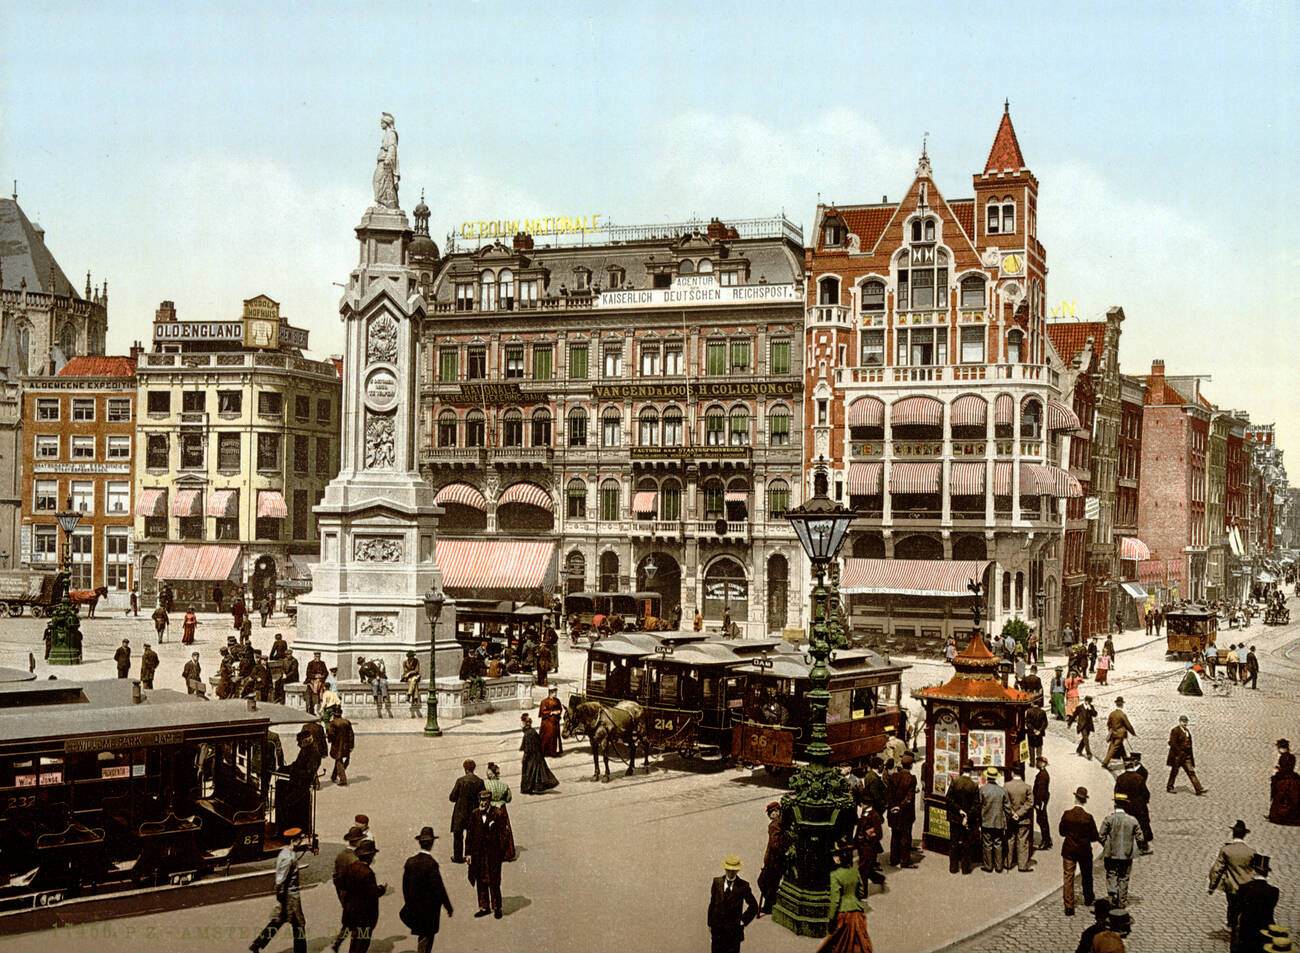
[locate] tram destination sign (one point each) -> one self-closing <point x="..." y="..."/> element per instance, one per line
<point x="722" y="390"/>
<point x="138" y="739"/>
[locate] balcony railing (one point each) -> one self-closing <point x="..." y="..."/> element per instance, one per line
<point x="457" y="456"/>
<point x="540" y="455"/>
<point x="830" y="314"/>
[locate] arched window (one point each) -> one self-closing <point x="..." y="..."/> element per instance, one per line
<point x="972" y="291"/>
<point x="713" y="498"/>
<point x="670" y="500"/>
<point x="647" y="434"/>
<point x="575" y="496"/>
<point x="715" y="427"/>
<point x="778" y="426"/>
<point x="672" y="432"/>
<point x="541" y="427"/>
<point x="993" y="222"/>
<point x="611" y="427"/>
<point x="577" y="427"/>
<point x="1031" y="419"/>
<point x="1001" y="216"/>
<point x="705" y="267"/>
<point x="778" y="583"/>
<point x="738" y="426"/>
<point x="1006" y="590"/>
<point x="1008" y="217"/>
<point x="726" y="590"/>
<point x="447" y="428"/>
<point x="922" y="277"/>
<point x="512" y="428"/>
<point x="828" y="291"/>
<point x="645" y="501"/>
<point x="575" y="571"/>
<point x="24" y="347"/>
<point x="475" y="429"/>
<point x="1015" y="347"/>
<point x="487" y="292"/>
<point x="736" y="500"/>
<point x="610" y="500"/>
<point x="68" y="340"/>
<point x="1020" y="592"/>
<point x="608" y="572"/>
<point x="872" y="298"/>
<point x="686" y="267"/>
<point x="506" y="289"/>
<point x="778" y="499"/>
<point x="929" y="229"/>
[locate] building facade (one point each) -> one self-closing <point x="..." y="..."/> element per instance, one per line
<point x="238" y="435"/>
<point x="1131" y="551"/>
<point x="80" y="452"/>
<point x="929" y="388"/>
<point x="637" y="401"/>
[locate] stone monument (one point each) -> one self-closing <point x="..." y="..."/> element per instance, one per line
<point x="378" y="519"/>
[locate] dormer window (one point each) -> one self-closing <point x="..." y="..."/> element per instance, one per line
<point x="1001" y="217"/>
<point x="833" y="234"/>
<point x="506" y="289"/>
<point x="582" y="278"/>
<point x="487" y="292"/>
<point x="923" y="230"/>
<point x="616" y="276"/>
<point x="705" y="267"/>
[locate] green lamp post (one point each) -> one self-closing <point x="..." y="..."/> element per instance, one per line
<point x="65" y="623"/>
<point x="434" y="600"/>
<point x="818" y="792"/>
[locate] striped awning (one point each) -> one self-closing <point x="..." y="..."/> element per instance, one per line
<point x="915" y="477"/>
<point x="223" y="504"/>
<point x="916" y="412"/>
<point x="1002" y="478"/>
<point x="492" y="566"/>
<point x="969" y="410"/>
<point x="645" y="501"/>
<point x="1234" y="542"/>
<point x="867" y="412"/>
<point x="530" y="494"/>
<point x="461" y="493"/>
<point x="865" y="479"/>
<point x="1041" y="479"/>
<point x="1130" y="547"/>
<point x="1004" y="410"/>
<point x="188" y="503"/>
<point x="967" y="479"/>
<point x="198" y="563"/>
<point x="911" y="577"/>
<point x="1062" y="417"/>
<point x="151" y="502"/>
<point x="736" y="496"/>
<point x="270" y="504"/>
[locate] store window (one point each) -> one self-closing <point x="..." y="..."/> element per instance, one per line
<point x="228" y="452"/>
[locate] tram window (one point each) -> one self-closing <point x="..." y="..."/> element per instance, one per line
<point x="709" y="690"/>
<point x="668" y="688"/>
<point x="596" y="680"/>
<point x="636" y="679"/>
<point x="864" y="702"/>
<point x="18" y="774"/>
<point x="731" y="689"/>
<point x="889" y="695"/>
<point x="838" y="710"/>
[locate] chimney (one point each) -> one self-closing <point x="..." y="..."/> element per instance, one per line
<point x="717" y="231"/>
<point x="136" y="350"/>
<point x="1158" y="369"/>
<point x="137" y="695"/>
<point x="523" y="241"/>
<point x="166" y="312"/>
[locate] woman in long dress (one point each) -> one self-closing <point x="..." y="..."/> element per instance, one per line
<point x="551" y="712"/>
<point x="500" y="792"/>
<point x="1072" y="695"/>
<point x="188" y="627"/>
<point x="1284" y="789"/>
<point x="387" y="171"/>
<point x="536" y="777"/>
<point x="848" y="920"/>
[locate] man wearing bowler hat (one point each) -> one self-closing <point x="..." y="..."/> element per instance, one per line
<point x="423" y="893"/>
<point x="485" y="852"/>
<point x="732" y="907"/>
<point x="1232" y="870"/>
<point x="361" y="893"/>
<point x="1078" y="832"/>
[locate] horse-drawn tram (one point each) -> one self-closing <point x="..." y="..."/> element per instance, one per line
<point x="103" y="789"/>
<point x="771" y="729"/>
<point x="1188" y="630"/>
<point x="616" y="665"/>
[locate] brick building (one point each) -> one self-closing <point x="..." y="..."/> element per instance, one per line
<point x="1130" y="550"/>
<point x="1235" y="496"/>
<point x="930" y="389"/>
<point x="636" y="401"/>
<point x="81" y="425"/>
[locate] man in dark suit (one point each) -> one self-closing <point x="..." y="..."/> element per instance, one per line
<point x="1252" y="669"/>
<point x="1133" y="782"/>
<point x="901" y="795"/>
<point x="963" y="819"/>
<point x="464" y="794"/>
<point x="1042" y="795"/>
<point x="1181" y="756"/>
<point x="485" y="852"/>
<point x="360" y="894"/>
<point x="1078" y="830"/>
<point x="731" y="907"/>
<point x="423" y="893"/>
<point x="1256" y="903"/>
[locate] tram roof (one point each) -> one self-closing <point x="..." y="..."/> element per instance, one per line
<point x="636" y="644"/>
<point x="844" y="662"/>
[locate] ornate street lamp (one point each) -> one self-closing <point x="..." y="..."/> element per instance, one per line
<point x="1040" y="606"/>
<point x="65" y="623"/>
<point x="820" y="791"/>
<point x="434" y="600"/>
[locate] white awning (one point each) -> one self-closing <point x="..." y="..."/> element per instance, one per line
<point x="270" y="503"/>
<point x="1134" y="590"/>
<point x="645" y="501"/>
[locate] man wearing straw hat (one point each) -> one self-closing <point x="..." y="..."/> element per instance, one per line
<point x="732" y="907"/>
<point x="288" y="900"/>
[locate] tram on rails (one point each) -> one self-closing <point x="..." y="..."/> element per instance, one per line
<point x="1189" y="630"/>
<point x="104" y="788"/>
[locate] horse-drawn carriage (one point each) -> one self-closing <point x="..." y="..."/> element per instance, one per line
<point x="1277" y="613"/>
<point x="24" y="590"/>
<point x="1188" y="630"/>
<point x="615" y="612"/>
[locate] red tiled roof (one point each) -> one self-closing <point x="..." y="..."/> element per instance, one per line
<point x="98" y="366"/>
<point x="1005" y="153"/>
<point x="964" y="211"/>
<point x="1069" y="337"/>
<point x="967" y="688"/>
<point x="1160" y="391"/>
<point x="868" y="223"/>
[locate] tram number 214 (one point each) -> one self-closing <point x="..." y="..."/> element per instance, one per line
<point x="664" y="724"/>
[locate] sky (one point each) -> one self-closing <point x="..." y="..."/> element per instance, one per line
<point x="205" y="153"/>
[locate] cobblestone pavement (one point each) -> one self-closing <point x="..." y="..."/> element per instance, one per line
<point x="1172" y="913"/>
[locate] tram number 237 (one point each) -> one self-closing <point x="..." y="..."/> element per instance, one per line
<point x="181" y="877"/>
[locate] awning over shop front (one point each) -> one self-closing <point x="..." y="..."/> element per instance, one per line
<point x="521" y="569"/>
<point x="1041" y="479"/>
<point x="300" y="567"/>
<point x="529" y="494"/>
<point x="271" y="505"/>
<point x="205" y="563"/>
<point x="223" y="504"/>
<point x="1002" y="478"/>
<point x="736" y="496"/>
<point x="463" y="494"/>
<point x="645" y="501"/>
<point x="1004" y="410"/>
<point x="969" y="410"/>
<point x="1130" y="547"/>
<point x="865" y="478"/>
<point x="1134" y="590"/>
<point x="867" y="412"/>
<point x="1234" y="541"/>
<point x="151" y="502"/>
<point x="188" y="503"/>
<point x="916" y="412"/>
<point x="911" y="577"/>
<point x="1062" y="417"/>
<point x="915" y="477"/>
<point x="967" y="479"/>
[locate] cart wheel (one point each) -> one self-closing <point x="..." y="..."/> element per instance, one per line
<point x="38" y="612"/>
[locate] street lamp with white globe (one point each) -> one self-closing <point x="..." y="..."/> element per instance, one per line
<point x="434" y="600"/>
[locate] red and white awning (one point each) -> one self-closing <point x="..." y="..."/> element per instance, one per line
<point x="1004" y="410"/>
<point x="481" y="565"/>
<point x="865" y="479"/>
<point x="915" y="477"/>
<point x="1062" y="417"/>
<point x="271" y="505"/>
<point x="1041" y="479"/>
<point x="867" y="412"/>
<point x="152" y="501"/>
<point x="463" y="494"/>
<point x="969" y="410"/>
<point x="1002" y="478"/>
<point x="1130" y="547"/>
<point x="529" y="494"/>
<point x="916" y="412"/>
<point x="911" y="577"/>
<point x="198" y="563"/>
<point x="967" y="479"/>
<point x="188" y="503"/>
<point x="223" y="504"/>
<point x="645" y="501"/>
<point x="736" y="496"/>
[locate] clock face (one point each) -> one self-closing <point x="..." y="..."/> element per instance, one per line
<point x="1012" y="264"/>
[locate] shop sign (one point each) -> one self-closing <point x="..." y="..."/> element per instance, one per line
<point x="475" y="230"/>
<point x="139" y="739"/>
<point x="491" y="393"/>
<point x="199" y="331"/>
<point x="698" y="290"/>
<point x="81" y="468"/>
<point x="721" y="390"/>
<point x="689" y="453"/>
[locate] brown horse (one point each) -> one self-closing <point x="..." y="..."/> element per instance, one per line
<point x="88" y="597"/>
<point x="603" y="724"/>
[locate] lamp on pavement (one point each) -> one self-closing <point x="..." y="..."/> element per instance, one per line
<point x="434" y="600"/>
<point x="1040" y="604"/>
<point x="64" y="627"/>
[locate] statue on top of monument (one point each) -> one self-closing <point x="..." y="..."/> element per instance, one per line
<point x="387" y="172"/>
